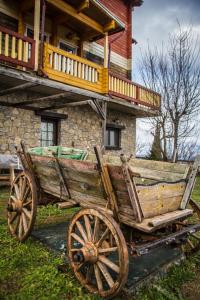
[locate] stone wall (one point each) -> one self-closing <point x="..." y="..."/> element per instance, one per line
<point x="82" y="128"/>
<point x="17" y="124"/>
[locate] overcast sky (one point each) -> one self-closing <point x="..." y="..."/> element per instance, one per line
<point x="155" y="19"/>
<point x="152" y="24"/>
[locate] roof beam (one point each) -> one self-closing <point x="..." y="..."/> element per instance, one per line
<point x="85" y="4"/>
<point x="46" y="98"/>
<point x="17" y="88"/>
<point x="71" y="11"/>
<point x="63" y="105"/>
<point x="110" y="26"/>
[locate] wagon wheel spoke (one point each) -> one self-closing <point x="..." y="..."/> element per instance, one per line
<point x="103" y="237"/>
<point x="96" y="230"/>
<point x="82" y="231"/>
<point x="17" y="191"/>
<point x="26" y="212"/>
<point x="108" y="263"/>
<point x="106" y="274"/>
<point x="88" y="228"/>
<point x="98" y="277"/>
<point x="27" y="203"/>
<point x="24" y="222"/>
<point x="13" y="218"/>
<point x="26" y="193"/>
<point x="13" y="198"/>
<point x="79" y="266"/>
<point x="23" y="188"/>
<point x="100" y="267"/>
<point x="20" y="227"/>
<point x="107" y="250"/>
<point x="22" y="206"/>
<point x="78" y="239"/>
<point x="89" y="273"/>
<point x="17" y="224"/>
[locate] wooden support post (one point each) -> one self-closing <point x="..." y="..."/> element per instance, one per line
<point x="107" y="184"/>
<point x="42" y="34"/>
<point x="37" y="32"/>
<point x="63" y="180"/>
<point x="131" y="188"/>
<point x="21" y="24"/>
<point x="54" y="30"/>
<point x="104" y="107"/>
<point x="106" y="50"/>
<point x="191" y="183"/>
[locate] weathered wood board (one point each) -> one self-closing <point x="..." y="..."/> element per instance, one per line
<point x="151" y="171"/>
<point x="86" y="188"/>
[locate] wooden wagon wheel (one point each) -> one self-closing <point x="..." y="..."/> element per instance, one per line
<point x="22" y="206"/>
<point x="193" y="240"/>
<point x="98" y="252"/>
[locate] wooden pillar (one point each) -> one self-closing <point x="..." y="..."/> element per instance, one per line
<point x="37" y="32"/>
<point x="80" y="48"/>
<point x="21" y="24"/>
<point x="104" y="107"/>
<point x="106" y="50"/>
<point x="54" y="32"/>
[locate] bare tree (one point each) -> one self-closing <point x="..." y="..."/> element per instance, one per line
<point x="142" y="149"/>
<point x="174" y="71"/>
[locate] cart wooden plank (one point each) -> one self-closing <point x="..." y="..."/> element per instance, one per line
<point x="152" y="224"/>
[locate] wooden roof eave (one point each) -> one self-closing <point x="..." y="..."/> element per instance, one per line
<point x="96" y="29"/>
<point x="109" y="13"/>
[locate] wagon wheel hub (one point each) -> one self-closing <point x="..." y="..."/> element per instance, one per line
<point x="15" y="207"/>
<point x="89" y="253"/>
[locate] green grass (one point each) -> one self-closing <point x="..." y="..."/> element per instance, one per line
<point x="30" y="271"/>
<point x="196" y="192"/>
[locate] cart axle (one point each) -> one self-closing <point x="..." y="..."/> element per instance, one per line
<point x="176" y="238"/>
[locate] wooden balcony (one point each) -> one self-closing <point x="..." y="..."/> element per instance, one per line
<point x="16" y="49"/>
<point x="71" y="69"/>
<point x="133" y="92"/>
<point x="62" y="66"/>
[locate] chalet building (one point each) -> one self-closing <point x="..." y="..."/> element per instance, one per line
<point x="65" y="75"/>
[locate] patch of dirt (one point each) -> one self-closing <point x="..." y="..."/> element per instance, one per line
<point x="191" y="290"/>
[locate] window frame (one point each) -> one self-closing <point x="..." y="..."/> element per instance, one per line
<point x="48" y="35"/>
<point x="68" y="44"/>
<point x="116" y="128"/>
<point x="56" y="131"/>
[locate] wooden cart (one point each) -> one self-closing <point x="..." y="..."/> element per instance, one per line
<point x="128" y="207"/>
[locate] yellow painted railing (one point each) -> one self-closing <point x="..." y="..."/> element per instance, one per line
<point x="16" y="49"/>
<point x="126" y="89"/>
<point x="71" y="69"/>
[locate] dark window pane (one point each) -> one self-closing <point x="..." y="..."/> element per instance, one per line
<point x="67" y="48"/>
<point x="8" y="22"/>
<point x="49" y="132"/>
<point x="112" y="137"/>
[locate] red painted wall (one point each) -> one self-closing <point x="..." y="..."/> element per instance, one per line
<point x="123" y="45"/>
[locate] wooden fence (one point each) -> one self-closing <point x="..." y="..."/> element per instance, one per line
<point x="68" y="68"/>
<point x="126" y="89"/>
<point x="16" y="49"/>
